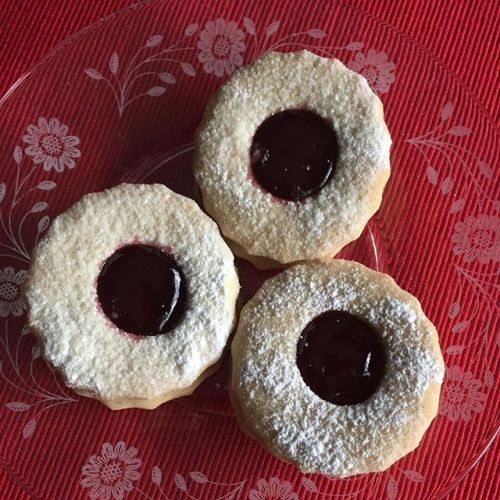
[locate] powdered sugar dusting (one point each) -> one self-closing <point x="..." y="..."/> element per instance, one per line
<point x="322" y="224"/>
<point x="298" y="425"/>
<point x="76" y="336"/>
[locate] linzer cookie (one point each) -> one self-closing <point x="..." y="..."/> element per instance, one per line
<point x="335" y="369"/>
<point x="292" y="157"/>
<point x="132" y="295"/>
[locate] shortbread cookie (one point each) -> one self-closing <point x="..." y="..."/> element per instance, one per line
<point x="292" y="157"/>
<point x="132" y="295"/>
<point x="335" y="369"/>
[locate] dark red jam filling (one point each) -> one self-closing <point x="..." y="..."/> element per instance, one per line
<point x="142" y="290"/>
<point x="293" y="154"/>
<point x="341" y="358"/>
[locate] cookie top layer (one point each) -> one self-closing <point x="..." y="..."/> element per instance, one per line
<point x="277" y="406"/>
<point x="93" y="354"/>
<point x="265" y="225"/>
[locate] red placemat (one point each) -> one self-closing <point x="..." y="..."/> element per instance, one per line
<point x="29" y="32"/>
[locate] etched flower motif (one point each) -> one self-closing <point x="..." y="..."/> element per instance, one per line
<point x="477" y="238"/>
<point x="48" y="142"/>
<point x="111" y="474"/>
<point x="273" y="489"/>
<point x="376" y="68"/>
<point x="220" y="47"/>
<point x="11" y="297"/>
<point x="460" y="395"/>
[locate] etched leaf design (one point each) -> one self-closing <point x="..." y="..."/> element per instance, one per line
<point x="249" y="25"/>
<point x="316" y="33"/>
<point x="191" y="29"/>
<point x="447" y="185"/>
<point x="454" y="310"/>
<point x="40" y="206"/>
<point x="272" y="28"/>
<point x="446" y="111"/>
<point x="113" y="63"/>
<point x="392" y="488"/>
<point x="156" y="475"/>
<point x="18" y="154"/>
<point x="46" y="185"/>
<point x="154" y="40"/>
<point x="156" y="91"/>
<point x="25" y="330"/>
<point x="309" y="485"/>
<point x="454" y="349"/>
<point x="35" y="352"/>
<point x="180" y="482"/>
<point x="18" y="406"/>
<point x="198" y="477"/>
<point x="3" y="190"/>
<point x="43" y="224"/>
<point x="413" y="475"/>
<point x="355" y="46"/>
<point x="485" y="169"/>
<point x="29" y="428"/>
<point x="459" y="131"/>
<point x="188" y="69"/>
<point x="460" y="327"/>
<point x="167" y="78"/>
<point x="432" y="175"/>
<point x="457" y="205"/>
<point x="93" y="73"/>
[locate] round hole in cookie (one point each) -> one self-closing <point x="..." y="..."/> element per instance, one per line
<point x="341" y="358"/>
<point x="142" y="290"/>
<point x="293" y="154"/>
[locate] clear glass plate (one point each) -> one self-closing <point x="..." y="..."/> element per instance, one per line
<point x="120" y="102"/>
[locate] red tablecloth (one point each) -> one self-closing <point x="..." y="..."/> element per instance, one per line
<point x="464" y="35"/>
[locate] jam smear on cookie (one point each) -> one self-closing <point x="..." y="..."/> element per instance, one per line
<point x="293" y="154"/>
<point x="341" y="358"/>
<point x="142" y="290"/>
